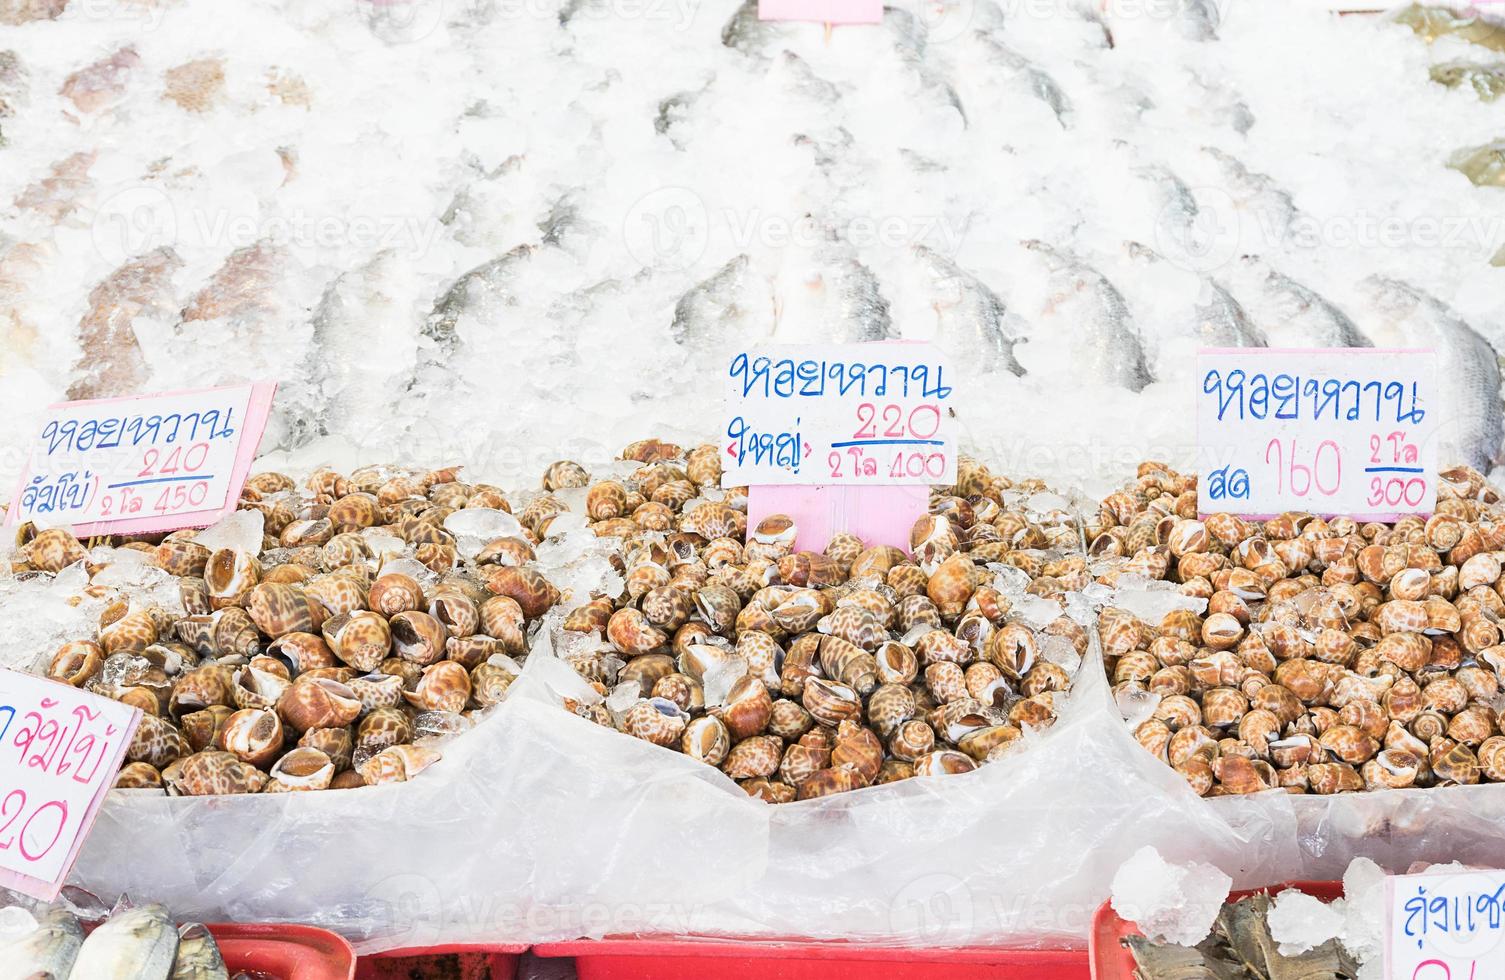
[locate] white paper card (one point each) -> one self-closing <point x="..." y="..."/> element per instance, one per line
<point x="852" y="414"/>
<point x="1337" y="431"/>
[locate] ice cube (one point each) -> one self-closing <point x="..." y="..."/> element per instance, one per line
<point x="440" y="724"/>
<point x="573" y="498"/>
<point x="1079" y="608"/>
<point x="1300" y="922"/>
<point x="1152" y="602"/>
<point x="384" y="544"/>
<point x="567" y="523"/>
<point x="482" y="522"/>
<point x="1009" y="580"/>
<point x="1175" y="903"/>
<point x="1060" y="651"/>
<point x="1035" y="611"/>
<point x="15" y="922"/>
<point x="623" y="697"/>
<point x="240" y="530"/>
<point x="1364" y="909"/>
<point x="1136" y="705"/>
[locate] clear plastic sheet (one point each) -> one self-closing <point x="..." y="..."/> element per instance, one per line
<point x="539" y="825"/>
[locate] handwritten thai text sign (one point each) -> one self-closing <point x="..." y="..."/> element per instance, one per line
<point x="150" y="463"/>
<point x="1445" y="926"/>
<point x="60" y="750"/>
<point x="823" y="11"/>
<point x="854" y="414"/>
<point x="1348" y="431"/>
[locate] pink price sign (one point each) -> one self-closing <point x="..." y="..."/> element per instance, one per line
<point x="145" y="463"/>
<point x="823" y="11"/>
<point x="60" y="750"/>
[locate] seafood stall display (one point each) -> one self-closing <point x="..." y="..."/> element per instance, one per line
<point x="331" y="638"/>
<point x="805" y="673"/>
<point x="1314" y="655"/>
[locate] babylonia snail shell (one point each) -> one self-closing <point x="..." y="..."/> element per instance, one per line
<point x="849" y="664"/>
<point x="950" y="586"/>
<point x="131" y="633"/>
<point x="138" y="775"/>
<point x="892" y="771"/>
<point x="828" y="782"/>
<point x="377" y="690"/>
<point x="606" y="500"/>
<point x="395" y="593"/>
<point x="280" y="609"/>
<point x="707" y="740"/>
<point x="181" y="557"/>
<point x="908" y="582"/>
<point x="1473" y="725"/>
<point x="534" y="593"/>
<point x="215" y="774"/>
<point x="471" y="651"/>
<point x="896" y="663"/>
<point x="204" y="729"/>
<point x="459" y="614"/>
<point x="1491" y="757"/>
<point x="802" y="759"/>
<point x="944" y="762"/>
<point x="667" y="607"/>
<point x="631" y="632"/>
<point x="254" y="736"/>
<point x="1013" y="650"/>
<point x="829" y="702"/>
<point x="656" y="720"/>
<point x="230" y="574"/>
<point x="301" y="770"/>
<point x="988" y="744"/>
<point x="489" y="683"/>
<point x="156" y="742"/>
<point x="383" y="727"/>
<point x="876" y="561"/>
<point x="857" y="748"/>
<point x="417" y="637"/>
<point x="201" y="687"/>
<point x="506" y="551"/>
<point x="768" y="790"/>
<point x="355" y="511"/>
<point x="397" y="764"/>
<point x="76" y="662"/>
<point x="646" y="670"/>
<point x="565" y="474"/>
<point x="338" y="594"/>
<point x="317" y="702"/>
<point x="445" y="686"/>
<point x="54" y="550"/>
<point x="789" y="720"/>
<point x="756" y="756"/>
<point x="337" y="745"/>
<point x="1444" y="695"/>
<point x="890" y="706"/>
<point x="939" y="646"/>
<point x="911" y="740"/>
<point x="1453" y="762"/>
<point x="594" y="615"/>
<point x="763" y="654"/>
<point x="302" y="651"/>
<point x="1348" y="744"/>
<point x="683" y="690"/>
<point x="947" y="681"/>
<point x="1391" y="769"/>
<point x="747" y="709"/>
<point x="253" y="688"/>
<point x="1043" y="678"/>
<point x="361" y="639"/>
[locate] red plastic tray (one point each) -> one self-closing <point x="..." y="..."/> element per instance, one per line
<point x="1111" y="961"/>
<point x="480" y="961"/>
<point x="693" y="959"/>
<point x="289" y="952"/>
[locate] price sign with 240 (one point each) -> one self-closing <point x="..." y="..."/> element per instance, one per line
<point x="143" y="464"/>
<point x="845" y="414"/>
<point x="1348" y="432"/>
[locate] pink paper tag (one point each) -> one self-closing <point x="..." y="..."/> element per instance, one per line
<point x="823" y="11"/>
<point x="877" y="515"/>
<point x="60" y="751"/>
<point x="143" y="463"/>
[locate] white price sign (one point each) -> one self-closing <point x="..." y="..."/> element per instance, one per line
<point x="1341" y="431"/>
<point x="848" y="414"/>
<point x="1445" y="926"/>
<point x="141" y="464"/>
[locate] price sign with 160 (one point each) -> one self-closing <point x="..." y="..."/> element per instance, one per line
<point x="1349" y="431"/>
